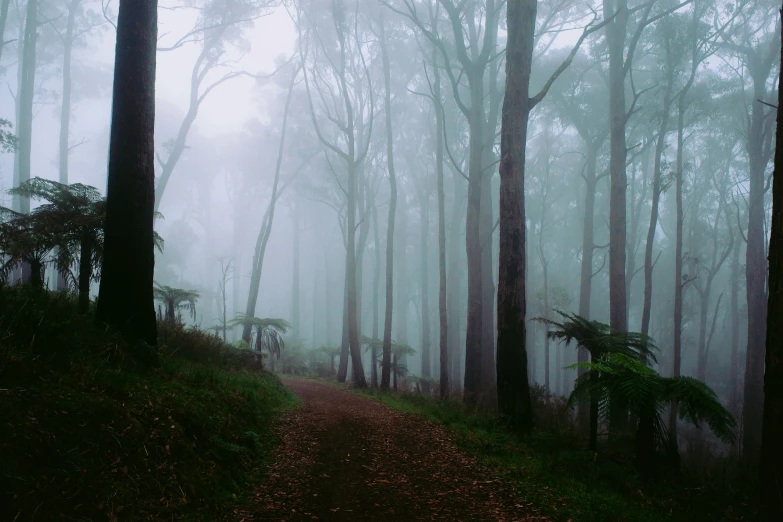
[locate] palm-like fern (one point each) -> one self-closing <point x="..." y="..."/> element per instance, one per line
<point x="175" y="300"/>
<point x="600" y="341"/>
<point x="647" y="393"/>
<point x="268" y="332"/>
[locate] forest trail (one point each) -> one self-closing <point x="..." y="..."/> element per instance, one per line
<point x="345" y="457"/>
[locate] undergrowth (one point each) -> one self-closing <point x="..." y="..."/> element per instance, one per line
<point x="90" y="434"/>
<point x="558" y="478"/>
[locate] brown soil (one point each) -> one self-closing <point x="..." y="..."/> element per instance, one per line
<point x="345" y="457"/>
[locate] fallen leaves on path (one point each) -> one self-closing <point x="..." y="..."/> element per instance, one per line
<point x="345" y="457"/>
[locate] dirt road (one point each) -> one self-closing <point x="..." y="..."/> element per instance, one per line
<point x="345" y="457"/>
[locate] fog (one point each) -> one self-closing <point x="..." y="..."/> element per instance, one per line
<point x="698" y="80"/>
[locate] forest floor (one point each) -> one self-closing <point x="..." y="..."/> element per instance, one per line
<point x="346" y="457"/>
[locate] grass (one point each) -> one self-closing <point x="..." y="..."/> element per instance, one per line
<point x="90" y="434"/>
<point x="558" y="479"/>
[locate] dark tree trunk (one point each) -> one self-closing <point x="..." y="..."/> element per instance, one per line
<point x="512" y="382"/>
<point x="126" y="299"/>
<point x="771" y="461"/>
<point x="85" y="272"/>
<point x="615" y="37"/>
<point x="387" y="324"/>
<point x="756" y="279"/>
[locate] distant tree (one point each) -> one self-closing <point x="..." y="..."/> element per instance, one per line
<point x="268" y="333"/>
<point x="175" y="300"/>
<point x="75" y="215"/>
<point x="125" y="300"/>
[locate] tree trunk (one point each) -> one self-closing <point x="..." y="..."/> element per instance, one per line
<point x="266" y="223"/>
<point x="588" y="250"/>
<point x="442" y="283"/>
<point x="512" y="381"/>
<point x="3" y="19"/>
<point x="295" y="282"/>
<point x="660" y="143"/>
<point x="375" y="296"/>
<point x="126" y="299"/>
<point x="424" y="290"/>
<point x="26" y="95"/>
<point x="756" y="281"/>
<point x="387" y="324"/>
<point x="65" y="113"/>
<point x="771" y="468"/>
<point x="735" y="327"/>
<point x="678" y="282"/>
<point x="454" y="297"/>
<point x="615" y="36"/>
<point x="85" y="272"/>
<point x="474" y="330"/>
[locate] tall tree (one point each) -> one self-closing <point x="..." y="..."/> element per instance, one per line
<point x="389" y="311"/>
<point x="754" y="40"/>
<point x="125" y="300"/>
<point x="512" y="381"/>
<point x="771" y="460"/>
<point x="26" y="95"/>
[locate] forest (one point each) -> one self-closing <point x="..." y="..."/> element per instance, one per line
<point x="532" y="244"/>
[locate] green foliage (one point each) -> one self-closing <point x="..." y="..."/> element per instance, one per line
<point x="598" y="338"/>
<point x="268" y="332"/>
<point x="646" y="390"/>
<point x="175" y="300"/>
<point x="109" y="441"/>
<point x="8" y="140"/>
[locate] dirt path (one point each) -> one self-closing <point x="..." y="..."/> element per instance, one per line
<point x="345" y="457"/>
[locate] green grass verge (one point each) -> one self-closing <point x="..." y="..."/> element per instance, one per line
<point x="557" y="479"/>
<point x="88" y="434"/>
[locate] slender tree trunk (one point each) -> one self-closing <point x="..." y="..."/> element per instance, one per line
<point x="513" y="389"/>
<point x="678" y="282"/>
<point x="424" y="290"/>
<point x="353" y="325"/>
<point x="125" y="300"/>
<point x="26" y="95"/>
<point x="660" y="143"/>
<point x="266" y="224"/>
<point x="442" y="283"/>
<point x="345" y="342"/>
<point x="771" y="461"/>
<point x="65" y="113"/>
<point x="735" y="325"/>
<point x="375" y="296"/>
<point x="588" y="252"/>
<point x="387" y="325"/>
<point x="3" y="19"/>
<point x="454" y="297"/>
<point x="295" y="283"/>
<point x="474" y="330"/>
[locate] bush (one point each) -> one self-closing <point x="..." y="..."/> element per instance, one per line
<point x="90" y="434"/>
